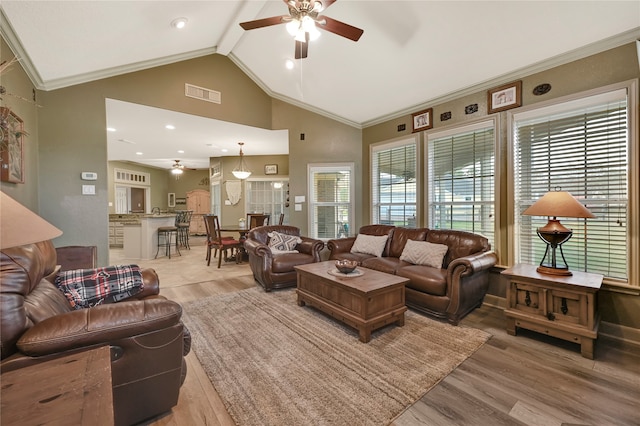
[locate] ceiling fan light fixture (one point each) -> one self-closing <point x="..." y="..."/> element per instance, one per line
<point x="176" y="171"/>
<point x="293" y="26"/>
<point x="241" y="171"/>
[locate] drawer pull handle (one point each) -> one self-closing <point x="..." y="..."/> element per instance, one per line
<point x="564" y="307"/>
<point x="551" y="316"/>
<point x="527" y="298"/>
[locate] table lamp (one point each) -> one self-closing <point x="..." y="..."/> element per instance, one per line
<point x="20" y="226"/>
<point x="554" y="234"/>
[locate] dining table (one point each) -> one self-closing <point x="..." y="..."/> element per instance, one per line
<point x="242" y="232"/>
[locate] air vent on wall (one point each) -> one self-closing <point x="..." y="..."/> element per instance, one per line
<point x="201" y="93"/>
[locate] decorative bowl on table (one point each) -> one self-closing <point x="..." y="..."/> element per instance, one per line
<point x="346" y="266"/>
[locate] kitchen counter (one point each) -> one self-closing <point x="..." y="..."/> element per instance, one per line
<point x="141" y="237"/>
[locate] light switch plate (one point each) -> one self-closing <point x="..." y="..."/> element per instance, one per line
<point x="88" y="190"/>
<point x="298" y="207"/>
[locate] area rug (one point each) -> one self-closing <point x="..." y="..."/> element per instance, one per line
<point x="275" y="363"/>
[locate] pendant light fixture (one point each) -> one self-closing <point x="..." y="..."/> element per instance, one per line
<point x="241" y="171"/>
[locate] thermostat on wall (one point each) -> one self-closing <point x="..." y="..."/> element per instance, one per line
<point x="89" y="176"/>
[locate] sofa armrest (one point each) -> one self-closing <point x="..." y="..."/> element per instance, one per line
<point x="100" y="324"/>
<point x="311" y="246"/>
<point x="256" y="248"/>
<point x="469" y="265"/>
<point x="340" y="245"/>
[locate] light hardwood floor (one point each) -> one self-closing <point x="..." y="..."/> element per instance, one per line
<point x="528" y="379"/>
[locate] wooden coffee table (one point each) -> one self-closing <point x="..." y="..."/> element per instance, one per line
<point x="366" y="302"/>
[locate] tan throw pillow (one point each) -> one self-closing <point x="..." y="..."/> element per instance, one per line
<point x="369" y="244"/>
<point x="424" y="253"/>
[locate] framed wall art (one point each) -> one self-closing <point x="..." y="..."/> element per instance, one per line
<point x="271" y="169"/>
<point x="422" y="120"/>
<point x="12" y="133"/>
<point x="505" y="97"/>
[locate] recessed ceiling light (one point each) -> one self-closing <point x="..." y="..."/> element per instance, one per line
<point x="224" y="150"/>
<point x="170" y="127"/>
<point x="179" y="23"/>
<point x="289" y="64"/>
<point x="138" y="153"/>
<point x="180" y="151"/>
<point x="111" y="129"/>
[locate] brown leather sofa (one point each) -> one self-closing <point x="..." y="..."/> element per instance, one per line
<point x="147" y="340"/>
<point x="450" y="292"/>
<point x="274" y="272"/>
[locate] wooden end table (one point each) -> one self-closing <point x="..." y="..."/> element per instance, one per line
<point x="74" y="389"/>
<point x="365" y="302"/>
<point x="560" y="306"/>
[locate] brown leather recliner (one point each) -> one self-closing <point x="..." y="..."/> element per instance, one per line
<point x="274" y="272"/>
<point x="147" y="340"/>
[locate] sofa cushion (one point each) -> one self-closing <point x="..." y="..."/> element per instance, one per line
<point x="401" y="236"/>
<point x="382" y="264"/>
<point x="283" y="242"/>
<point x="424" y="253"/>
<point x="369" y="244"/>
<point x="425" y="279"/>
<point x="280" y="264"/>
<point x="85" y="288"/>
<point x="460" y="243"/>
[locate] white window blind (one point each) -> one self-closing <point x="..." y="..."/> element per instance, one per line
<point x="461" y="180"/>
<point x="393" y="183"/>
<point x="584" y="150"/>
<point x="330" y="205"/>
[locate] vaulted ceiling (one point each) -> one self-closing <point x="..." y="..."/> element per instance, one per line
<point x="412" y="53"/>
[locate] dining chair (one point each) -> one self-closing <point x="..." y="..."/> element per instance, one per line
<point x="217" y="242"/>
<point x="257" y="219"/>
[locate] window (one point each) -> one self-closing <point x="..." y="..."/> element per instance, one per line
<point x="393" y="183"/>
<point x="267" y="196"/>
<point x="581" y="146"/>
<point x="461" y="179"/>
<point x="331" y="207"/>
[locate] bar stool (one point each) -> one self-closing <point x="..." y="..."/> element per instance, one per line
<point x="183" y="222"/>
<point x="167" y="233"/>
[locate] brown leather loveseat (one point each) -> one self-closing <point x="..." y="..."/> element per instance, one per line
<point x="451" y="291"/>
<point x="277" y="271"/>
<point x="145" y="335"/>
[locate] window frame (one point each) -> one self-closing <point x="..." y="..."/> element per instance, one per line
<point x="274" y="216"/>
<point x="374" y="149"/>
<point x="459" y="129"/>
<point x="633" y="163"/>
<point x="313" y="168"/>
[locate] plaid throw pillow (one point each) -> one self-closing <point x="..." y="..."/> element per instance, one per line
<point x="85" y="288"/>
<point x="283" y="242"/>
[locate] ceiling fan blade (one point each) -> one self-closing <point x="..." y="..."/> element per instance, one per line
<point x="302" y="48"/>
<point x="266" y="22"/>
<point x="327" y="3"/>
<point x="339" y="28"/>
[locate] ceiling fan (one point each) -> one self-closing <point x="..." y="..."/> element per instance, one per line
<point x="178" y="169"/>
<point x="303" y="22"/>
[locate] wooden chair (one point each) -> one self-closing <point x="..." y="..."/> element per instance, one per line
<point x="217" y="242"/>
<point x="257" y="219"/>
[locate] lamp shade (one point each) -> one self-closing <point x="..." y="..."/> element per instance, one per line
<point x="558" y="204"/>
<point x="21" y="226"/>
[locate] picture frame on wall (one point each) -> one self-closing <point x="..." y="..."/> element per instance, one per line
<point x="12" y="133"/>
<point x="505" y="97"/>
<point x="271" y="169"/>
<point x="422" y="120"/>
